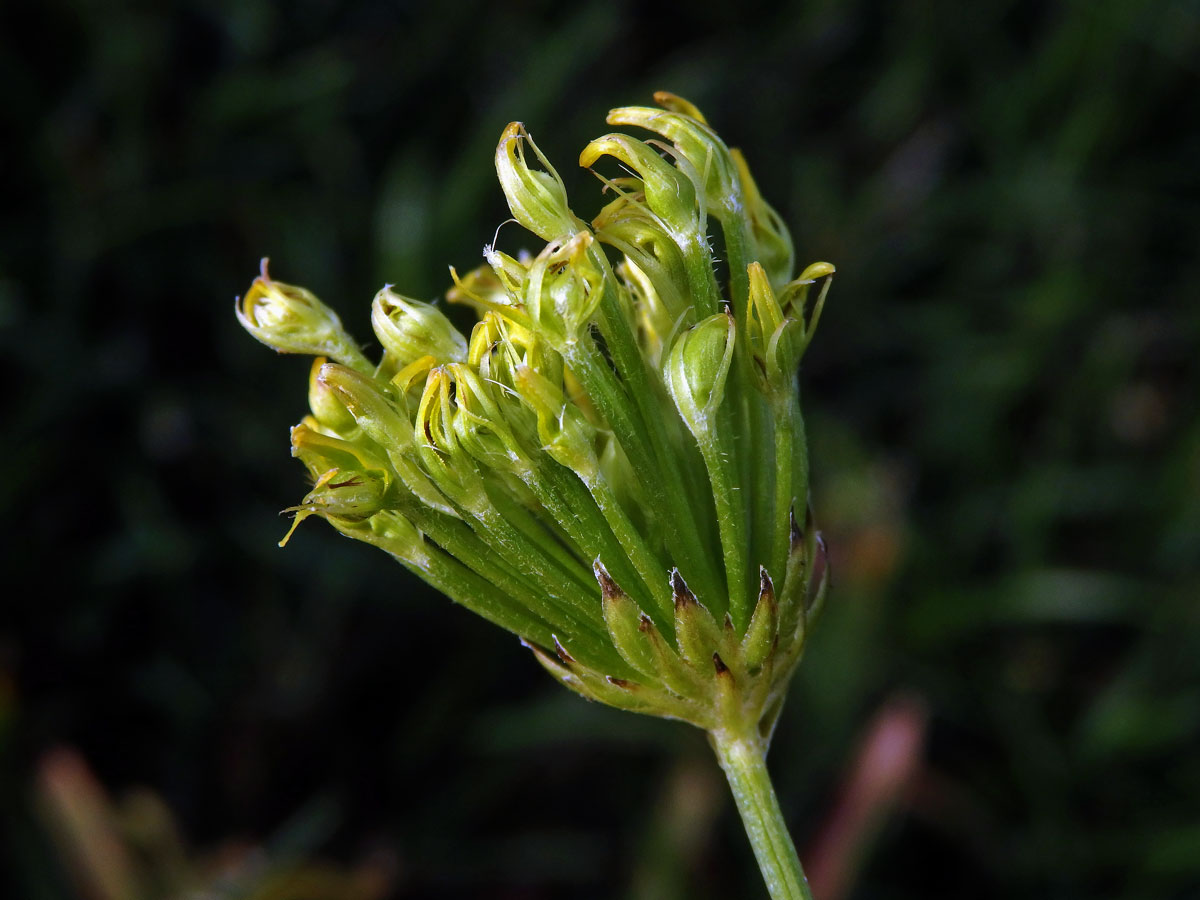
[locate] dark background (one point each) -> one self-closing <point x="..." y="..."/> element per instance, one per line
<point x="1001" y="400"/>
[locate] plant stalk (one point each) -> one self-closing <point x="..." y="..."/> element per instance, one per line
<point x="744" y="760"/>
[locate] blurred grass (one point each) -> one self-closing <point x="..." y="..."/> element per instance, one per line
<point x="1002" y="405"/>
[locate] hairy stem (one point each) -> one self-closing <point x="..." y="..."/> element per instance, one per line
<point x="743" y="759"/>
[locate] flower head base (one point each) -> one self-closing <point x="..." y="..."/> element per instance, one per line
<point x="612" y="464"/>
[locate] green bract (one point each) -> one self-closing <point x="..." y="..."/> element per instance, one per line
<point x="612" y="464"/>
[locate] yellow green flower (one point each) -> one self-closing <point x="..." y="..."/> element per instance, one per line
<point x="612" y="463"/>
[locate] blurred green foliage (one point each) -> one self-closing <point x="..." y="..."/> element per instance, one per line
<point x="1002" y="402"/>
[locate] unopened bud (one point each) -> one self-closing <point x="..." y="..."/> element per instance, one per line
<point x="383" y="423"/>
<point x="699" y="145"/>
<point x="697" y="368"/>
<point x="776" y="343"/>
<point x="538" y="199"/>
<point x="563" y="430"/>
<point x="353" y="494"/>
<point x="390" y="531"/>
<point x="794" y="297"/>
<point x="670" y="193"/>
<point x="291" y="319"/>
<point x="364" y="400"/>
<point x="321" y="452"/>
<point x="563" y="289"/>
<point x="410" y="329"/>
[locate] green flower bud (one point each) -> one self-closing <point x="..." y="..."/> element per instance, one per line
<point x="410" y="329"/>
<point x="499" y="350"/>
<point x="563" y="289"/>
<point x="538" y="200"/>
<point x="793" y="299"/>
<point x="291" y="320"/>
<point x="498" y="434"/>
<point x="385" y="426"/>
<point x="485" y="291"/>
<point x="564" y="432"/>
<point x="670" y="192"/>
<point x="776" y="342"/>
<point x="351" y="480"/>
<point x="699" y="145"/>
<point x="372" y="410"/>
<point x="631" y="229"/>
<point x="321" y="452"/>
<point x="697" y="368"/>
<point x="354" y="494"/>
<point x="390" y="531"/>
<point x="656" y="326"/>
<point x="448" y="465"/>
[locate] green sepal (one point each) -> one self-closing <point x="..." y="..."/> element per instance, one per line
<point x="763" y="632"/>
<point x="696" y="631"/>
<point x="623" y="618"/>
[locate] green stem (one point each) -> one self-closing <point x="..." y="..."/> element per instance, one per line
<point x="716" y="446"/>
<point x="791" y="474"/>
<point x="654" y="463"/>
<point x="744" y="761"/>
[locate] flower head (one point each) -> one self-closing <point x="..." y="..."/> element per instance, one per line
<point x="611" y="464"/>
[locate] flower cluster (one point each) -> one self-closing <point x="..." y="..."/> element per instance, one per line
<point x="612" y="464"/>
